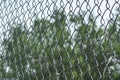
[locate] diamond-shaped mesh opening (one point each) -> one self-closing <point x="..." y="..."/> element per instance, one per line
<point x="59" y="40"/>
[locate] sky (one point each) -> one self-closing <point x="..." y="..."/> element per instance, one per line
<point x="18" y="10"/>
<point x="21" y="11"/>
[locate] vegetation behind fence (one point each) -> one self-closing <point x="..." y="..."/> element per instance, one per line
<point x="59" y="40"/>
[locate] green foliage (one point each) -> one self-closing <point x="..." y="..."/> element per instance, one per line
<point x="48" y="52"/>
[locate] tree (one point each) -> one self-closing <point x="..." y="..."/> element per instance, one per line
<point x="36" y="54"/>
<point x="48" y="51"/>
<point x="93" y="49"/>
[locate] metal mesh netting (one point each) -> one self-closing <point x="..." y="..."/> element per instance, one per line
<point x="59" y="40"/>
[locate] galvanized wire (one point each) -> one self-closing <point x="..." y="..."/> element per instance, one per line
<point x="59" y="40"/>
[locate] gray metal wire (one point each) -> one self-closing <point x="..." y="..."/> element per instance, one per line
<point x="59" y="40"/>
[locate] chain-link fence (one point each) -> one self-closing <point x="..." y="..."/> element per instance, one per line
<point x="59" y="39"/>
